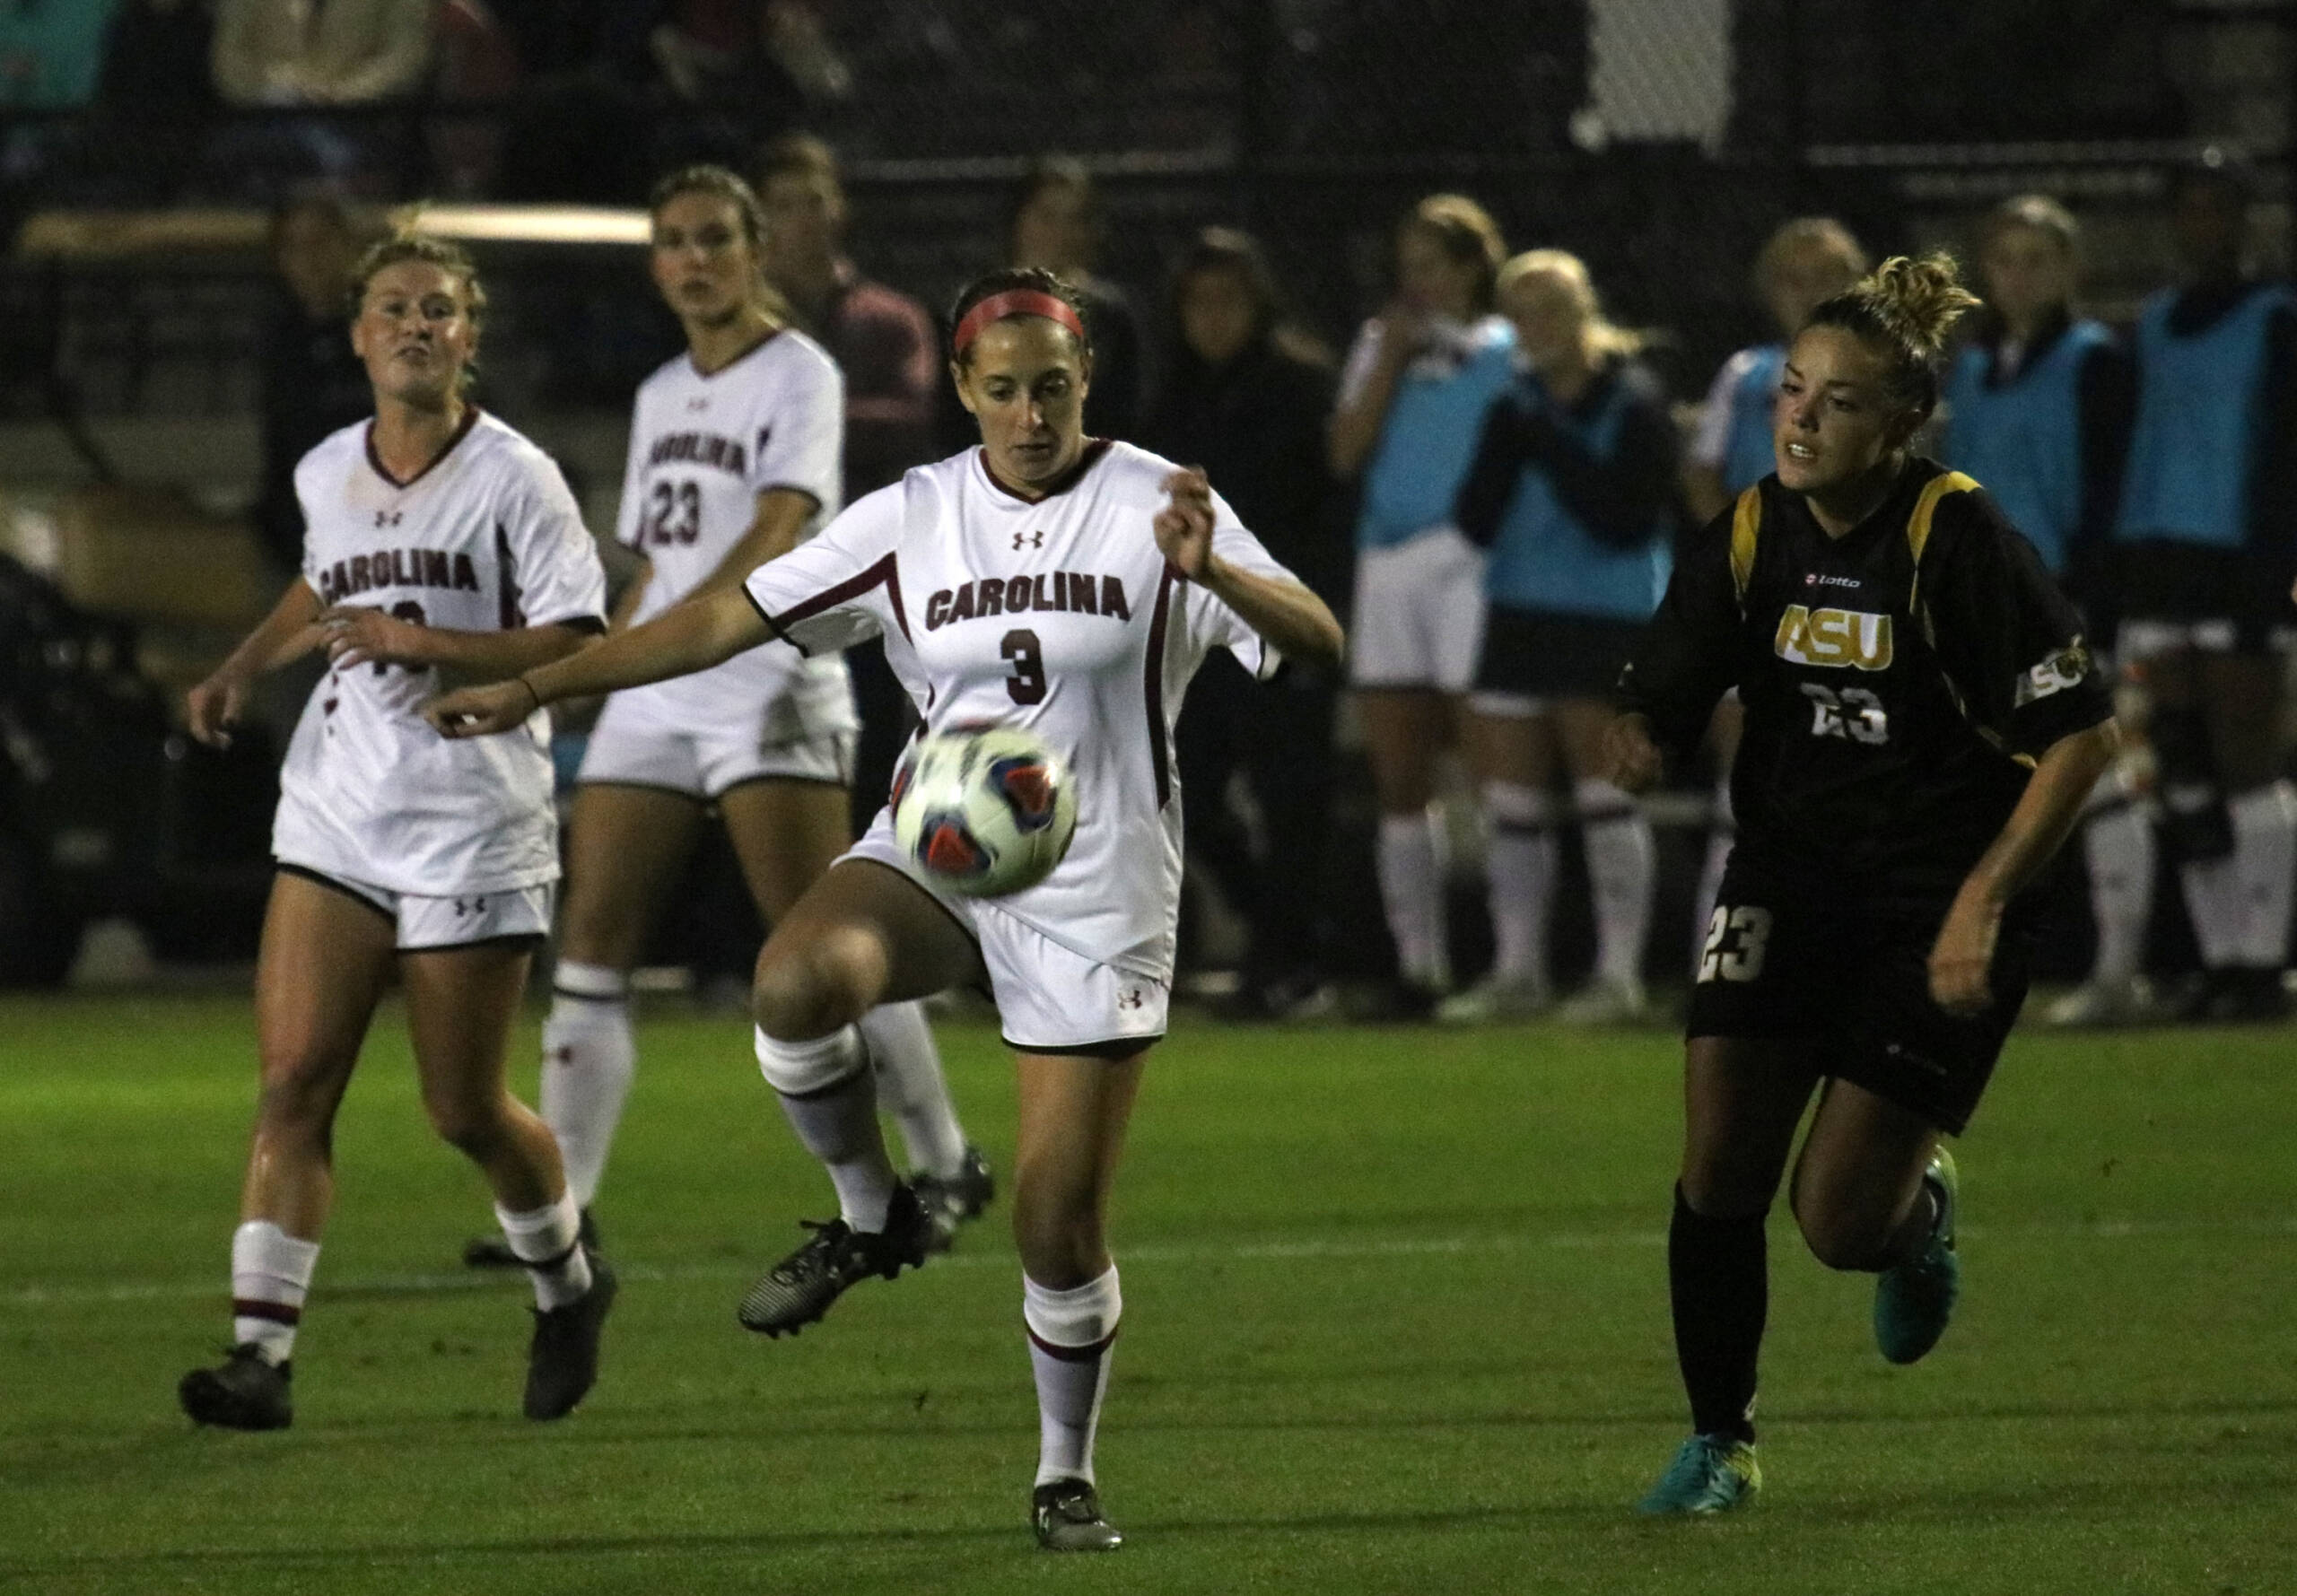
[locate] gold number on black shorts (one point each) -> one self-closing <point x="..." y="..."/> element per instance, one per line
<point x="1736" y="939"/>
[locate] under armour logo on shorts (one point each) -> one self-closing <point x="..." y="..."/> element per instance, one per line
<point x="1132" y="1000"/>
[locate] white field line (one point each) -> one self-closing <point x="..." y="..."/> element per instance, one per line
<point x="1300" y="1251"/>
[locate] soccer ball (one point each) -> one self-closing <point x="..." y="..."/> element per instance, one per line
<point x="984" y="810"/>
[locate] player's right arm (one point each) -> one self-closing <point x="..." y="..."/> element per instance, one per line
<point x="687" y="637"/>
<point x="1684" y="662"/>
<point x="288" y="632"/>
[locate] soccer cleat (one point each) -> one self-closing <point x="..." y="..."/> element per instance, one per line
<point x="1915" y="1300"/>
<point x="951" y="1201"/>
<point x="2097" y="1004"/>
<point x="1606" y="1003"/>
<point x="493" y="1252"/>
<point x="563" y="1361"/>
<point x="799" y="1289"/>
<point x="1711" y="1474"/>
<point x="246" y="1391"/>
<point x="1496" y="998"/>
<point x="1067" y="1514"/>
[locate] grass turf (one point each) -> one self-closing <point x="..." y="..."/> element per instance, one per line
<point x="1397" y="1322"/>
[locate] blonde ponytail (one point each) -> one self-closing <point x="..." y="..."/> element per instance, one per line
<point x="1907" y="307"/>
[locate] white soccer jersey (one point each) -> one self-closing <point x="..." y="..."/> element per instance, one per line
<point x="702" y="449"/>
<point x="488" y="538"/>
<point x="1062" y="616"/>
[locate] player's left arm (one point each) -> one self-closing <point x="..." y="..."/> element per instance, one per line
<point x="2011" y="645"/>
<point x="1286" y="614"/>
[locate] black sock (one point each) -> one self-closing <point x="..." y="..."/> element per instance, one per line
<point x="1718" y="1280"/>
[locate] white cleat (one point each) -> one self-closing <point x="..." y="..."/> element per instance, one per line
<point x="2098" y="1005"/>
<point x="1606" y="1003"/>
<point x="1497" y="997"/>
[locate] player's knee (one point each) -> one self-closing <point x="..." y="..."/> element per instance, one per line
<point x="806" y="991"/>
<point x="1057" y="1230"/>
<point x="1842" y="1239"/>
<point x="301" y="1084"/>
<point x="476" y="1128"/>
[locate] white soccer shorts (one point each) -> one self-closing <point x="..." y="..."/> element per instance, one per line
<point x="1417" y="620"/>
<point x="645" y="739"/>
<point x="1049" y="997"/>
<point x="429" y="925"/>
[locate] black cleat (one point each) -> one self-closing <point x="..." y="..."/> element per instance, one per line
<point x="799" y="1289"/>
<point x="1067" y="1514"/>
<point x="951" y="1201"/>
<point x="563" y="1361"/>
<point x="493" y="1252"/>
<point x="246" y="1391"/>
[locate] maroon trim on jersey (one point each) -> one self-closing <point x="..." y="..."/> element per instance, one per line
<point x="887" y="570"/>
<point x="471" y="413"/>
<point x="1160" y="756"/>
<point x="507" y="610"/>
<point x="1095" y="448"/>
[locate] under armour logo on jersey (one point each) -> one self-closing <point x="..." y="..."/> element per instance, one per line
<point x="388" y="518"/>
<point x="699" y="404"/>
<point x="1036" y="539"/>
<point x="1132" y="1000"/>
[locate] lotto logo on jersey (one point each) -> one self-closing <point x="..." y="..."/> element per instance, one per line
<point x="1834" y="639"/>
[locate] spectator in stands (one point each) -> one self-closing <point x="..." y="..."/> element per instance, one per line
<point x="1411" y="398"/>
<point x="312" y="382"/>
<point x="50" y="54"/>
<point x="2038" y="410"/>
<point x="1573" y="490"/>
<point x="1805" y="263"/>
<point x="283" y="54"/>
<point x="2205" y="548"/>
<point x="886" y="343"/>
<point x="1245" y="396"/>
<point x="1055" y="224"/>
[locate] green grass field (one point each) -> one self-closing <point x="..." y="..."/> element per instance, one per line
<point x="1396" y="1321"/>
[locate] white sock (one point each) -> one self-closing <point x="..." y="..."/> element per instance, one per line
<point x="1520" y="868"/>
<point x="546" y="1241"/>
<point x="2265" y="856"/>
<point x="912" y="1087"/>
<point x="1723" y="829"/>
<point x="271" y="1274"/>
<point x="2118" y="847"/>
<point x="1070" y="1333"/>
<point x="2214" y="902"/>
<point x="832" y="1103"/>
<point x="588" y="1058"/>
<point x="1411" y="889"/>
<point x="1620" y="857"/>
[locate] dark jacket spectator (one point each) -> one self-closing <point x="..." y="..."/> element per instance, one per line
<point x="313" y="383"/>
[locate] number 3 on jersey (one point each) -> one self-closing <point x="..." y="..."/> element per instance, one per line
<point x="1853" y="712"/>
<point x="1736" y="940"/>
<point x="1027" y="683"/>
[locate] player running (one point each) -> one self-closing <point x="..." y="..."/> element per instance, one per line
<point x="1070" y="585"/>
<point x="734" y="459"/>
<point x="1923" y="722"/>
<point x="440" y="545"/>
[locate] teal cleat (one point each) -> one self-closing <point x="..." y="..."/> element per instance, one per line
<point x="1914" y="1300"/>
<point x="1711" y="1474"/>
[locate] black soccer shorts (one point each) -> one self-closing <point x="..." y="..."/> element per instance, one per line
<point x="1850" y="971"/>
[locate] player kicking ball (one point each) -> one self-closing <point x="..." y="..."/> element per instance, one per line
<point x="1923" y="725"/>
<point x="1069" y="587"/>
<point x="440" y="545"/>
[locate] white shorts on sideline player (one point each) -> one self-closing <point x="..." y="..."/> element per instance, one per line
<point x="1419" y="615"/>
<point x="430" y="925"/>
<point x="646" y="737"/>
<point x="1050" y="999"/>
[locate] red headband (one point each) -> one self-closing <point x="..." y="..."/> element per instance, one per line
<point x="1015" y="301"/>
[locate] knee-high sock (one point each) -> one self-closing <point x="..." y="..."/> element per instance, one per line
<point x="547" y="1240"/>
<point x="832" y="1103"/>
<point x="1718" y="1282"/>
<point x="1411" y="889"/>
<point x="1621" y="854"/>
<point x="2264" y="855"/>
<point x="1723" y="829"/>
<point x="911" y="1086"/>
<point x="1520" y="871"/>
<point x="1070" y="1334"/>
<point x="271" y="1274"/>
<point x="2118" y="845"/>
<point x="589" y="1056"/>
<point x="2212" y="892"/>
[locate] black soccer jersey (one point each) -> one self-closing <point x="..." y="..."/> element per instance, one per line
<point x="1899" y="682"/>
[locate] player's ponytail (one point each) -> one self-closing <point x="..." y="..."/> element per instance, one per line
<point x="1906" y="308"/>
